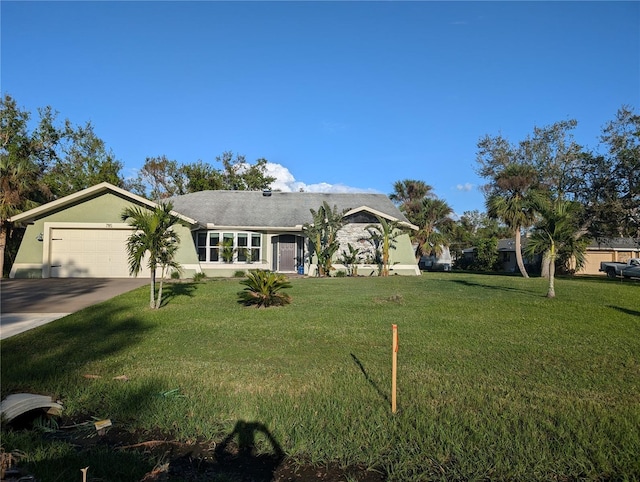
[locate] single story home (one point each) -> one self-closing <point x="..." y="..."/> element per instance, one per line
<point x="221" y="233"/>
<point x="605" y="249"/>
<point x="507" y="256"/>
<point x="506" y="249"/>
<point x="609" y="249"/>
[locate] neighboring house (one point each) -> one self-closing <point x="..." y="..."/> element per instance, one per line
<point x="441" y="262"/>
<point x="506" y="249"/>
<point x="609" y="249"/>
<point x="221" y="232"/>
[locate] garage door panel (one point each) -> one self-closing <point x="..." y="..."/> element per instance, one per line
<point x="89" y="253"/>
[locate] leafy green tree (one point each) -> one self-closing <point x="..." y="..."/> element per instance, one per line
<point x="81" y="161"/>
<point x="485" y="257"/>
<point x="162" y="176"/>
<point x="264" y="289"/>
<point x="51" y="161"/>
<point x="473" y="227"/>
<point x="384" y="235"/>
<point x="322" y="233"/>
<point x="21" y="186"/>
<point x="608" y="184"/>
<point x="155" y="241"/>
<point x="239" y="175"/>
<point x="201" y="176"/>
<point x="557" y="229"/>
<point x="554" y="155"/>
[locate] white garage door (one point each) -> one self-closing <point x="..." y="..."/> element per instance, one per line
<point x="89" y="253"/>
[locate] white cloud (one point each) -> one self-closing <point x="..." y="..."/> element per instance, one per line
<point x="285" y="182"/>
<point x="466" y="187"/>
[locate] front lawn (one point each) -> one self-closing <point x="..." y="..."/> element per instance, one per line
<point x="495" y="382"/>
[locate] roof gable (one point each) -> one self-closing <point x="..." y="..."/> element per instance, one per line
<point x="84" y="195"/>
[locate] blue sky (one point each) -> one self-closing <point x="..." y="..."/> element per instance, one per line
<point x="337" y="95"/>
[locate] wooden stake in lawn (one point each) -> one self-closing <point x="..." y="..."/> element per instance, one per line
<point x="394" y="367"/>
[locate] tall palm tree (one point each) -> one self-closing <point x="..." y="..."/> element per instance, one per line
<point x="435" y="226"/>
<point x="154" y="240"/>
<point x="557" y="229"/>
<point x="409" y="194"/>
<point x="513" y="200"/>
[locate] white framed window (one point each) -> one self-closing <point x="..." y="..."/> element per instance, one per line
<point x="229" y="246"/>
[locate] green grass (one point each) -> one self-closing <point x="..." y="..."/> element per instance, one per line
<point x="495" y="381"/>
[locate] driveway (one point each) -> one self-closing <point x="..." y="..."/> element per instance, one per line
<point x="27" y="303"/>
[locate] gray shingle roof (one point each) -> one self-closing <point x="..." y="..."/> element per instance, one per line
<point x="615" y="243"/>
<point x="280" y="209"/>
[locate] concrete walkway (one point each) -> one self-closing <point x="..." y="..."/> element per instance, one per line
<point x="28" y="303"/>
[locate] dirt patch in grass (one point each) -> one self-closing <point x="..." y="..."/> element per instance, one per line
<point x="200" y="461"/>
<point x="227" y="461"/>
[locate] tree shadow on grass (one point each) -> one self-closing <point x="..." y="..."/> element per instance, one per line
<point x="625" y="310"/>
<point x="508" y="289"/>
<point x="36" y="361"/>
<point x="177" y="289"/>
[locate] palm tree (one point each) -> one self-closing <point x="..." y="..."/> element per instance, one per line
<point x="435" y="226"/>
<point x="557" y="230"/>
<point x="409" y="194"/>
<point x="384" y="235"/>
<point x="513" y="202"/>
<point x="155" y="240"/>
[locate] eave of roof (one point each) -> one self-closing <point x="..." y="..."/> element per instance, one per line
<point x="297" y="227"/>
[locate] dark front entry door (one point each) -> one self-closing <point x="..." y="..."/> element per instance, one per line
<point x="287" y="249"/>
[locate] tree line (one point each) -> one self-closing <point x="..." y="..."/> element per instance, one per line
<point x="560" y="193"/>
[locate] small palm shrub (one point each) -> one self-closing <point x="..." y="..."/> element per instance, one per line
<point x="199" y="276"/>
<point x="264" y="289"/>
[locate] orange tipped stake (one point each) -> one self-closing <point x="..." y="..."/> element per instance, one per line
<point x="394" y="368"/>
